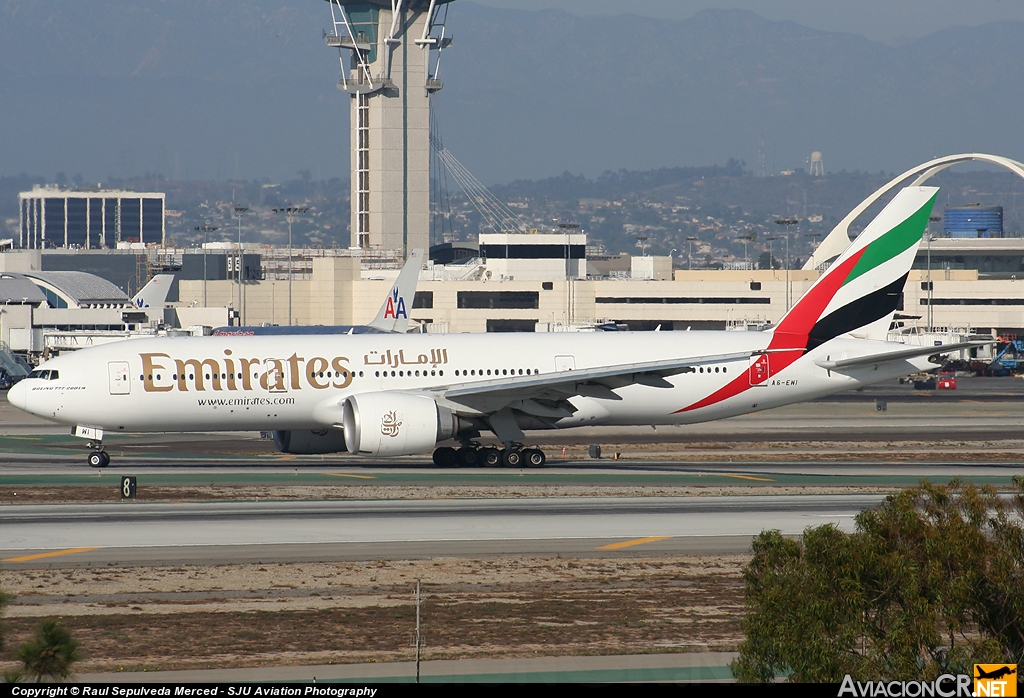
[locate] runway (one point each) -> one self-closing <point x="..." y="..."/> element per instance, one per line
<point x="142" y="533"/>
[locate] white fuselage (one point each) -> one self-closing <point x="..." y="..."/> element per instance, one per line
<point x="186" y="384"/>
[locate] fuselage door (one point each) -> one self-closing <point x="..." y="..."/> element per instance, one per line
<point x="565" y="363"/>
<point x="759" y="370"/>
<point x="120" y="378"/>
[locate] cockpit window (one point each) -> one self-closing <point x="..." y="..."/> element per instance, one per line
<point x="44" y="374"/>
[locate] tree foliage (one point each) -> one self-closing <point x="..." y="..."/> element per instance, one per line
<point x="50" y="655"/>
<point x="930" y="582"/>
<point x="4" y="600"/>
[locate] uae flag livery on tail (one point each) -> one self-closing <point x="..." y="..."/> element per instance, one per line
<point x="863" y="286"/>
<point x="858" y="294"/>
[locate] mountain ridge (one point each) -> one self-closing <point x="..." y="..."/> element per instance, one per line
<point x="214" y="89"/>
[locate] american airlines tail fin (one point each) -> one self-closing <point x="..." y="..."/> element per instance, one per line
<point x="862" y="289"/>
<point x="154" y="293"/>
<point x="393" y="316"/>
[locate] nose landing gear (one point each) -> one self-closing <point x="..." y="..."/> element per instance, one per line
<point x="98" y="458"/>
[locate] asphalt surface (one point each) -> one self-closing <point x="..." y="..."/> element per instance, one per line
<point x="690" y="666"/>
<point x="120" y="533"/>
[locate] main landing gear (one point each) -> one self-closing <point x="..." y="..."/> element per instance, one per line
<point x="97" y="458"/>
<point x="489" y="456"/>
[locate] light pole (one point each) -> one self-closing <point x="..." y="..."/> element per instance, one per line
<point x="928" y="247"/>
<point x="771" y="250"/>
<point x="239" y="212"/>
<point x="205" y="229"/>
<point x="690" y="239"/>
<point x="641" y="242"/>
<point x="290" y="212"/>
<point x="787" y="221"/>
<point x="746" y="239"/>
<point x="570" y="301"/>
<point x="814" y="241"/>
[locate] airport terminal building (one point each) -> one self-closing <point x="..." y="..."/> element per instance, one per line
<point x="51" y="217"/>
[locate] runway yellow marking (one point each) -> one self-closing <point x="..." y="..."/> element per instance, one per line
<point x="631" y="543"/>
<point x="55" y="553"/>
<point x="745" y="477"/>
<point x="361" y="477"/>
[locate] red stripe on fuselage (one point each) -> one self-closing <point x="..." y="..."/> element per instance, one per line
<point x="778" y="360"/>
<point x="789" y="339"/>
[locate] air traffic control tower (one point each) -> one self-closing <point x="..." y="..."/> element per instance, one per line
<point x="390" y="52"/>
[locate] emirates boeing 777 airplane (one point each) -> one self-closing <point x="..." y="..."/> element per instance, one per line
<point x="392" y="395"/>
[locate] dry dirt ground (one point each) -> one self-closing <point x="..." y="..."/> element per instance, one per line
<point x="197" y="493"/>
<point x="152" y="618"/>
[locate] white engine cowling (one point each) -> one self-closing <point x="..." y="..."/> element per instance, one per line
<point x="394" y="423"/>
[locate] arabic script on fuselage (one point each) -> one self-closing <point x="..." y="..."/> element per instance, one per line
<point x="437" y="357"/>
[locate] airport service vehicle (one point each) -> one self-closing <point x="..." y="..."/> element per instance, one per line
<point x="383" y="395"/>
<point x="946" y="381"/>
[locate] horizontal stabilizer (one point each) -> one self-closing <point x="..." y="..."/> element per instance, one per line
<point x="897" y="355"/>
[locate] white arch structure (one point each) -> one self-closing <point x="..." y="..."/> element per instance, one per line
<point x="839" y="239"/>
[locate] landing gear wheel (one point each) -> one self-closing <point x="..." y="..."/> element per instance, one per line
<point x="534" y="457"/>
<point x="468" y="457"/>
<point x="490" y="457"/>
<point x="445" y="457"/>
<point x="511" y="458"/>
<point x="98" y="459"/>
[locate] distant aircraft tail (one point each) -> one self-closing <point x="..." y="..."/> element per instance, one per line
<point x="154" y="293"/>
<point x="393" y="316"/>
<point x="862" y="289"/>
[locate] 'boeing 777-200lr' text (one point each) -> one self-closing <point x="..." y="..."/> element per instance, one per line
<point x="391" y="395"/>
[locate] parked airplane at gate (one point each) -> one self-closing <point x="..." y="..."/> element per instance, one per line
<point x="393" y="316"/>
<point x="154" y="293"/>
<point x="392" y="395"/>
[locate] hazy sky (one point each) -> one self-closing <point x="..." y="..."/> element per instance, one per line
<point x="875" y="19"/>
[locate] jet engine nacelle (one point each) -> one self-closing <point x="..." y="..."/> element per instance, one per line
<point x="303" y="441"/>
<point x="395" y="424"/>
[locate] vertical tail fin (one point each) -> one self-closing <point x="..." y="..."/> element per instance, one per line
<point x="154" y="293"/>
<point x="864" y="285"/>
<point x="393" y="316"/>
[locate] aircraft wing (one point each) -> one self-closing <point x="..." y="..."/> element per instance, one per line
<point x="544" y="395"/>
<point x="897" y="355"/>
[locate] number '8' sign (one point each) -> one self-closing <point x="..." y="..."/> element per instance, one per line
<point x="127" y="488"/>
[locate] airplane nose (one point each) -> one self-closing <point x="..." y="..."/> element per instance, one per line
<point x="18" y="395"/>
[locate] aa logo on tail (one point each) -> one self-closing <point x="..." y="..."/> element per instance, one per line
<point x="395" y="306"/>
<point x="995" y="680"/>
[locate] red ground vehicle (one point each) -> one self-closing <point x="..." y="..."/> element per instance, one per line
<point x="947" y="381"/>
